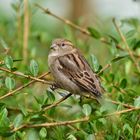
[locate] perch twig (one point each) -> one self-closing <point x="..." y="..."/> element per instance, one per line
<point x="21" y="87"/>
<point x="53" y="124"/>
<point x="26" y="76"/>
<point x="126" y="44"/>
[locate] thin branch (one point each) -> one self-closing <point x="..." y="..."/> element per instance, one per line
<point x="71" y="24"/>
<point x="21" y="87"/>
<point x="50" y="83"/>
<point x="126" y="44"/>
<point x="118" y="112"/>
<point x="104" y="68"/>
<point x="123" y="111"/>
<point x="19" y="23"/>
<point x="26" y="76"/>
<point x="57" y="102"/>
<point x="70" y="125"/>
<point x="66" y="123"/>
<point x="17" y="110"/>
<point x="53" y="124"/>
<point x="46" y="82"/>
<point x="123" y="49"/>
<point x="26" y="30"/>
<point x="111" y="101"/>
<point x="123" y="104"/>
<point x="68" y="22"/>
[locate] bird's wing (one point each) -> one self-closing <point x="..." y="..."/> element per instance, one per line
<point x="76" y="68"/>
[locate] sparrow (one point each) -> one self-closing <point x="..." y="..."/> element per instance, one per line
<point x="71" y="70"/>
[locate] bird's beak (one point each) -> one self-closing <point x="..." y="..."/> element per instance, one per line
<point x="53" y="46"/>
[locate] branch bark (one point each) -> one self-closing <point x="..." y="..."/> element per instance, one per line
<point x="126" y="44"/>
<point x="53" y="124"/>
<point x="21" y="87"/>
<point x="27" y="76"/>
<point x="26" y="31"/>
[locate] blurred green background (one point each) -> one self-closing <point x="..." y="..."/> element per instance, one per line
<point x="26" y="33"/>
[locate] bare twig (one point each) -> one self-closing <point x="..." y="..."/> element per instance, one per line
<point x="82" y="30"/>
<point x="123" y="49"/>
<point x="53" y="124"/>
<point x="118" y="112"/>
<point x="66" y="123"/>
<point x="70" y="125"/>
<point x="104" y="68"/>
<point x="123" y="111"/>
<point x="26" y="30"/>
<point x="26" y="76"/>
<point x="123" y="104"/>
<point x="68" y="22"/>
<point x="126" y="44"/>
<point x="50" y="83"/>
<point x="19" y="23"/>
<point x="21" y="87"/>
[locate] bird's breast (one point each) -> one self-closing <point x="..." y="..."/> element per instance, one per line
<point x="61" y="79"/>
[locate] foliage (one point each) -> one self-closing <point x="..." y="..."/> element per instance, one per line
<point x="26" y="112"/>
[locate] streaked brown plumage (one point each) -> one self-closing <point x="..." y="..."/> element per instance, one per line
<point x="71" y="70"/>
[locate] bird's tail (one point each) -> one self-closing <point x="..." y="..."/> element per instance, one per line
<point x="106" y="104"/>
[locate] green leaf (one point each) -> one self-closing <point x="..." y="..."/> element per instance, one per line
<point x="23" y="109"/>
<point x="50" y="95"/>
<point x="34" y="68"/>
<point x="18" y="120"/>
<point x="103" y="121"/>
<point x="4" y="121"/>
<point x="3" y="43"/>
<point x="128" y="66"/>
<point x="123" y="83"/>
<point x="17" y="60"/>
<point x="113" y="48"/>
<point x="111" y="77"/>
<point x="31" y="135"/>
<point x="86" y="109"/>
<point x="2" y="106"/>
<point x="8" y="62"/>
<point x="9" y="83"/>
<point x="137" y="102"/>
<point x="43" y="133"/>
<point x="130" y="33"/>
<point x="41" y="100"/>
<point x="113" y="39"/>
<point x="128" y="128"/>
<point x="91" y="137"/>
<point x="95" y="63"/>
<point x="136" y="45"/>
<point x="94" y="33"/>
<point x="71" y="137"/>
<point x="131" y="21"/>
<point x="20" y="135"/>
<point x="118" y="58"/>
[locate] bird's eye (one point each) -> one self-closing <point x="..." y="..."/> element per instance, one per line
<point x="63" y="44"/>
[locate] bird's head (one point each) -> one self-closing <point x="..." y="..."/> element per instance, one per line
<point x="61" y="46"/>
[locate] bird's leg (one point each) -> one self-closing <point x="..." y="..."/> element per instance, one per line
<point x="54" y="86"/>
<point x="81" y="99"/>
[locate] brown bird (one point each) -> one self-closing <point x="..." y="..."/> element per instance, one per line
<point x="71" y="71"/>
